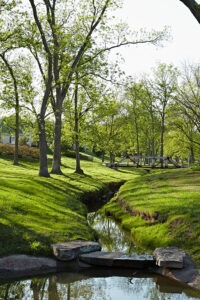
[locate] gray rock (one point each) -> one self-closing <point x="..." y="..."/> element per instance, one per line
<point x="169" y="257"/>
<point x="71" y="250"/>
<point x="117" y="259"/>
<point x="19" y="263"/>
<point x="21" y="266"/>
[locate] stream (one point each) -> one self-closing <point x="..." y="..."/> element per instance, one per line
<point x="100" y="283"/>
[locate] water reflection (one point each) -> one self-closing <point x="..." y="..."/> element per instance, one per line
<point x="111" y="236"/>
<point x="79" y="287"/>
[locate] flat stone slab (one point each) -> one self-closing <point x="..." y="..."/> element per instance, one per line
<point x="17" y="266"/>
<point x="71" y="250"/>
<point x="118" y="259"/>
<point x="169" y="257"/>
<point x="19" y="263"/>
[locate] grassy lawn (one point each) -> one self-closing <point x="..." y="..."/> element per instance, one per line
<point x="162" y="209"/>
<point x="36" y="212"/>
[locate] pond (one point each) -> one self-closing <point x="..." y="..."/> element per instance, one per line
<point x="100" y="283"/>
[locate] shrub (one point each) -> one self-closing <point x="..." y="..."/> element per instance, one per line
<point x="24" y="151"/>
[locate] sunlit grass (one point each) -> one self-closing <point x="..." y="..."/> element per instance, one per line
<point x="36" y="212"/>
<point x="167" y="209"/>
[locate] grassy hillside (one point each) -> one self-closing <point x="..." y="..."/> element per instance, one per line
<point x="36" y="212"/>
<point x="162" y="209"/>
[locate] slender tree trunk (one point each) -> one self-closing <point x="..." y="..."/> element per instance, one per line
<point x="14" y="79"/>
<point x="153" y="135"/>
<point x="43" y="170"/>
<point x="162" y="139"/>
<point x="103" y="156"/>
<point x="136" y="131"/>
<point x="192" y="158"/>
<point x="56" y="164"/>
<point x="137" y="138"/>
<point x="16" y="152"/>
<point x="76" y="130"/>
<point x="112" y="158"/>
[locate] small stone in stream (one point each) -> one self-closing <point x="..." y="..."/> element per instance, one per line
<point x="71" y="250"/>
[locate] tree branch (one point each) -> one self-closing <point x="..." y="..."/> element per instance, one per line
<point x="194" y="7"/>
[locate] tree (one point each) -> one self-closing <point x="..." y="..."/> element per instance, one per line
<point x="194" y="7"/>
<point x="13" y="78"/>
<point x="188" y="100"/>
<point x="106" y="127"/>
<point x="72" y="42"/>
<point x="148" y="103"/>
<point x="17" y="108"/>
<point x="164" y="85"/>
<point x="134" y="111"/>
<point x="47" y="90"/>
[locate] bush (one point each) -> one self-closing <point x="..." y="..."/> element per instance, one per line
<point x="24" y="151"/>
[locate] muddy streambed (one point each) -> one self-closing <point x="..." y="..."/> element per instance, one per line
<point x="100" y="283"/>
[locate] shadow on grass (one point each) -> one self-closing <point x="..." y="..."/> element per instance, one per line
<point x="17" y="239"/>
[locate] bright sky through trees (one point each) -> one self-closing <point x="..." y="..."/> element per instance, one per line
<point x="155" y="14"/>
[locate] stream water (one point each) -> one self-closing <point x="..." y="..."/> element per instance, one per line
<point x="99" y="283"/>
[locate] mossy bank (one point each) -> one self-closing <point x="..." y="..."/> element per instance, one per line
<point x="161" y="209"/>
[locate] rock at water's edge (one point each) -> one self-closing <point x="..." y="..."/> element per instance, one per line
<point x="170" y="257"/>
<point x="71" y="250"/>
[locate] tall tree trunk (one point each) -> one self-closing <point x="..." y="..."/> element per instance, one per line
<point x="137" y="138"/>
<point x="56" y="163"/>
<point x="153" y="135"/>
<point x="162" y="139"/>
<point x="16" y="152"/>
<point x="192" y="158"/>
<point x="14" y="79"/>
<point x="76" y="130"/>
<point x="103" y="157"/>
<point x="112" y="158"/>
<point x="43" y="169"/>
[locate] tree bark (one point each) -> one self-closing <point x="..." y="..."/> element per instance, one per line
<point x="10" y="69"/>
<point x="16" y="152"/>
<point x="56" y="163"/>
<point x="43" y="170"/>
<point x="162" y="139"/>
<point x="194" y="7"/>
<point x="76" y="130"/>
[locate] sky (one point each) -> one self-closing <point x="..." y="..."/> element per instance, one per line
<point x="156" y="14"/>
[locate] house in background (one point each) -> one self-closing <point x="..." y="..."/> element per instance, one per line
<point x="6" y="138"/>
<point x="7" y="132"/>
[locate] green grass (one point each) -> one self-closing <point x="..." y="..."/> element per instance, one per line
<point x="162" y="209"/>
<point x="36" y="212"/>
